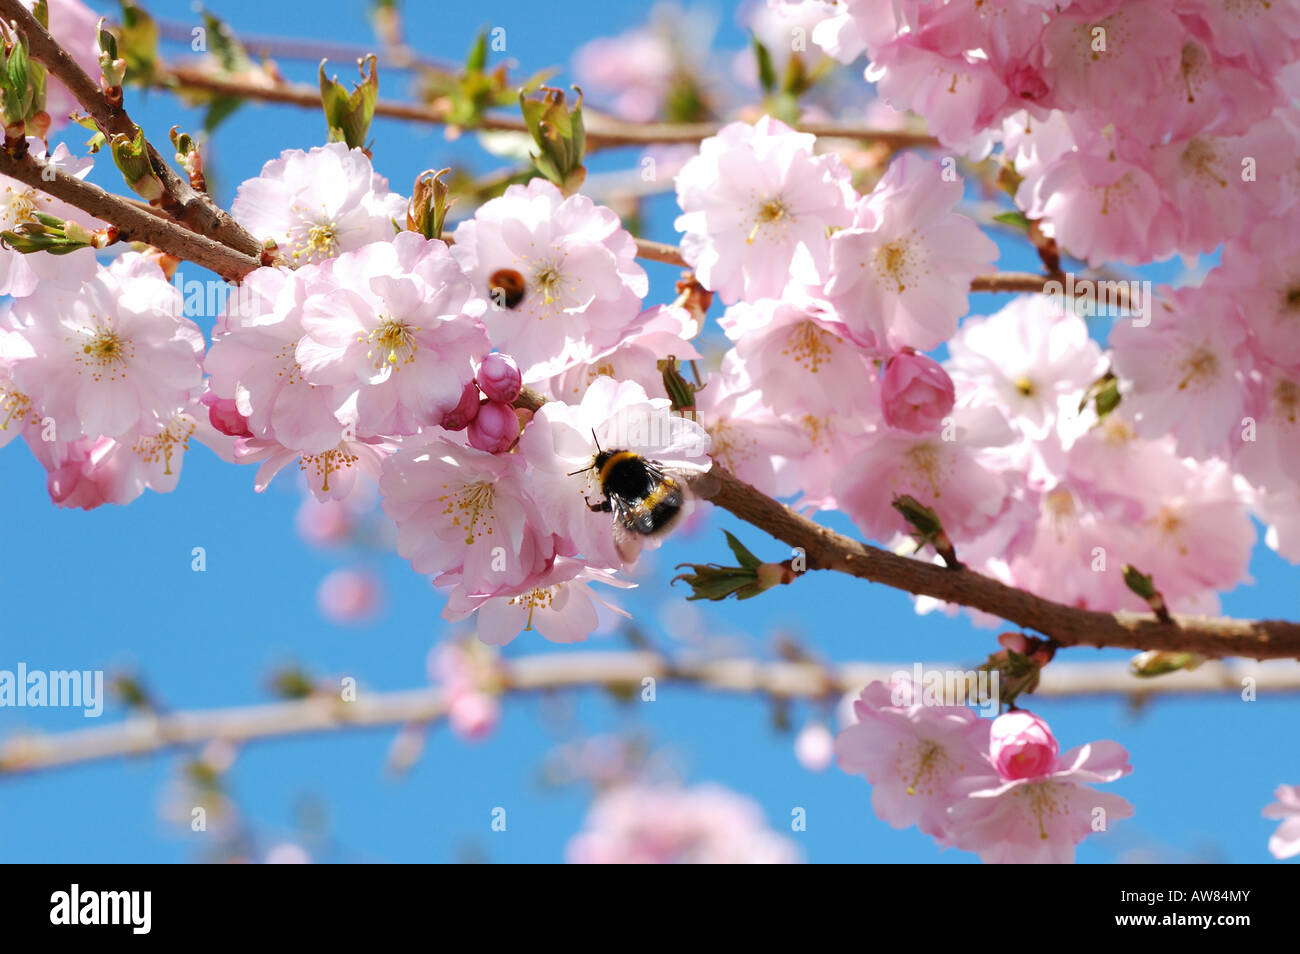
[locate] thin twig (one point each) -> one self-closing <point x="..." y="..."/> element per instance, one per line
<point x="151" y="734"/>
<point x="601" y="132"/>
<point x="136" y="222"/>
<point x="180" y="200"/>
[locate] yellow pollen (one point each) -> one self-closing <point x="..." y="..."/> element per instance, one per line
<point x="896" y="262"/>
<point x="14" y="406"/>
<point x="930" y="759"/>
<point x="1200" y="159"/>
<point x="1202" y="367"/>
<point x="21" y="206"/>
<point x="549" y="280"/>
<point x="539" y="597"/>
<point x="1116" y="430"/>
<point x="471" y="507"/>
<point x="809" y="345"/>
<point x="1025" y="386"/>
<point x="770" y="211"/>
<point x="105" y="353"/>
<point x="329" y="462"/>
<point x="926" y="461"/>
<point x="162" y="447"/>
<point x="396" y="344"/>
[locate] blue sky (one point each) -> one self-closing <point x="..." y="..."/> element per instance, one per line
<point x="114" y="588"/>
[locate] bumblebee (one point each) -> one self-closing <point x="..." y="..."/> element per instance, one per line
<point x="645" y="497"/>
<point x="507" y="287"/>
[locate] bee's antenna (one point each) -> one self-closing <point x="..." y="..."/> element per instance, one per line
<point x="593" y="464"/>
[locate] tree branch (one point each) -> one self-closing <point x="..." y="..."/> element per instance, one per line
<point x="135" y="222"/>
<point x="1067" y="625"/>
<point x="180" y="201"/>
<point x="148" y="734"/>
<point x="602" y="132"/>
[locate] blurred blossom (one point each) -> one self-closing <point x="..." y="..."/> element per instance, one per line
<point x="814" y="747"/>
<point x="287" y="853"/>
<point x="707" y="824"/>
<point x="350" y="596"/>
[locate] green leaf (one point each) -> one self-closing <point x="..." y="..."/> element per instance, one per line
<point x="228" y="51"/>
<point x="766" y="71"/>
<point x="747" y="559"/>
<point x="139" y="42"/>
<point x="349" y="114"/>
<point x="219" y="110"/>
<point x="1015" y="219"/>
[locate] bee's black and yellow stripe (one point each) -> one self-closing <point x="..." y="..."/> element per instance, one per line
<point x="645" y="498"/>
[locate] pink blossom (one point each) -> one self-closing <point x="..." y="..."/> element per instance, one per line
<point x="748" y="438"/>
<point x="112" y="356"/>
<point x="398" y="323"/>
<point x="88" y="472"/>
<point x="462" y="510"/>
<point x="318" y="204"/>
<point x="1183" y="373"/>
<point x="901" y="273"/>
<point x="950" y="476"/>
<point x="1040" y="819"/>
<point x="557" y="602"/>
<point x="1101" y="52"/>
<point x="560" y="275"/>
<point x="707" y="824"/>
<point x="253" y="360"/>
<point x="1028" y="359"/>
<point x="756" y="204"/>
<point x="1021" y="745"/>
<point x="1285" y="841"/>
<point x="916" y="393"/>
<point x="1100" y="199"/>
<point x="659" y="332"/>
<point x="800" y="354"/>
<point x="914" y="756"/>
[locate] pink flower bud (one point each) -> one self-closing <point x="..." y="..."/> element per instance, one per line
<point x="1014" y="641"/>
<point x="459" y="417"/>
<point x="1021" y="745"/>
<point x="916" y="393"/>
<point x="495" y="428"/>
<point x="499" y="379"/>
<point x="225" y="416"/>
<point x="473" y="715"/>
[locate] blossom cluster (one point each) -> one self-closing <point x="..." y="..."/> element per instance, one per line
<point x="471" y="385"/>
<point x="1000" y="787"/>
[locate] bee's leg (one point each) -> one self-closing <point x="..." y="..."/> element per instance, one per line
<point x="603" y="506"/>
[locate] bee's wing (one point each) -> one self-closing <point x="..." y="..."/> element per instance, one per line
<point x="627" y="542"/>
<point x="703" y="485"/>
